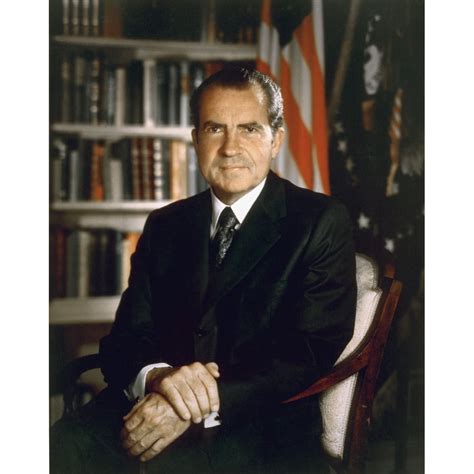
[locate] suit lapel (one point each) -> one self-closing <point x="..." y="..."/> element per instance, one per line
<point x="257" y="235"/>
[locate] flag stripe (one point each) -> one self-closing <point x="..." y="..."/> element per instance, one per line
<point x="307" y="41"/>
<point x="299" y="139"/>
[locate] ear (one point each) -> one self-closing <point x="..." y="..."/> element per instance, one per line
<point x="277" y="141"/>
<point x="194" y="134"/>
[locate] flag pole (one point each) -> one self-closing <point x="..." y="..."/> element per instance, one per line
<point x="343" y="62"/>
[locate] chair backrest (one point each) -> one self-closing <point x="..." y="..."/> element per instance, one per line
<point x="346" y="406"/>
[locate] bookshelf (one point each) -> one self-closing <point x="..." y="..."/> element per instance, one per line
<point x="106" y="112"/>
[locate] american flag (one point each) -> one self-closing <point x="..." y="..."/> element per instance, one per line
<point x="291" y="50"/>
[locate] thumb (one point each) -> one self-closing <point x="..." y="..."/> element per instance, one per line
<point x="213" y="368"/>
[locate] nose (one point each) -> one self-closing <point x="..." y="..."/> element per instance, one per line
<point x="231" y="144"/>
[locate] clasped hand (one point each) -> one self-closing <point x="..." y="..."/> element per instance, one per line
<point x="176" y="396"/>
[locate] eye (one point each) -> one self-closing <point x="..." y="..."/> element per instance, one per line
<point x="213" y="129"/>
<point x="250" y="129"/>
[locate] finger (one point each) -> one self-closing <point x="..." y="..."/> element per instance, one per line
<point x="213" y="368"/>
<point x="211" y="391"/>
<point x="130" y="438"/>
<point x="175" y="398"/>
<point x="190" y="399"/>
<point x="144" y="443"/>
<point x="155" y="449"/>
<point x="200" y="393"/>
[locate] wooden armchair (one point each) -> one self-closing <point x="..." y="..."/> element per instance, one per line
<point x="348" y="390"/>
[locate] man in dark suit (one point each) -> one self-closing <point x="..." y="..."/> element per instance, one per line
<point x="238" y="298"/>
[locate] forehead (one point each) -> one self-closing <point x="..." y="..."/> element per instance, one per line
<point x="246" y="105"/>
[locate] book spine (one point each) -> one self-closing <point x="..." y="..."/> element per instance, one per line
<point x="83" y="266"/>
<point x="184" y="93"/>
<point x="158" y="170"/>
<point x="72" y="257"/>
<point x="96" y="178"/>
<point x="116" y="272"/>
<point x="95" y="25"/>
<point x="112" y="26"/>
<point x="125" y="264"/>
<point x="149" y="92"/>
<point x="162" y="98"/>
<point x="86" y="31"/>
<point x="79" y="88"/>
<point x="120" y="93"/>
<point x="75" y="17"/>
<point x="173" y="97"/>
<point x="73" y="175"/>
<point x="135" y="162"/>
<point x="106" y="172"/>
<point x="59" y="179"/>
<point x="178" y="170"/>
<point x="65" y="89"/>
<point x="111" y="91"/>
<point x="145" y="167"/>
<point x="59" y="262"/>
<point x="94" y="90"/>
<point x="116" y="179"/>
<point x="193" y="170"/>
<point x="65" y="17"/>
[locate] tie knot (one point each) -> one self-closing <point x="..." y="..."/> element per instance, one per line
<point x="227" y="219"/>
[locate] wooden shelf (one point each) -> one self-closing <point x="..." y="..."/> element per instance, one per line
<point x="113" y="132"/>
<point x="108" y="207"/>
<point x="145" y="49"/>
<point x="100" y="309"/>
<point x="125" y="216"/>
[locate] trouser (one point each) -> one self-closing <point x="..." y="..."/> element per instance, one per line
<point x="88" y="442"/>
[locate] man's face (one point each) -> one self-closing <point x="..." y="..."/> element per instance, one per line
<point x="234" y="143"/>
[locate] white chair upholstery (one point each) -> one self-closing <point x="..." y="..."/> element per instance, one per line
<point x="335" y="402"/>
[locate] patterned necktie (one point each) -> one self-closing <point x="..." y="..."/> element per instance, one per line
<point x="224" y="235"/>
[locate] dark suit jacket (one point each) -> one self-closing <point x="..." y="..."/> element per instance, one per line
<point x="274" y="317"/>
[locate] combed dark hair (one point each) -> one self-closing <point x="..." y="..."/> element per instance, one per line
<point x="241" y="78"/>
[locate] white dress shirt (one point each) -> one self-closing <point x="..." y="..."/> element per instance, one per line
<point x="241" y="207"/>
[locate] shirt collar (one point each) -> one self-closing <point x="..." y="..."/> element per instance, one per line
<point x="240" y="208"/>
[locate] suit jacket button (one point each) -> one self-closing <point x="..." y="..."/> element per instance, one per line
<point x="199" y="333"/>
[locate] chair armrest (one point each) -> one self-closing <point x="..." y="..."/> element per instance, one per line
<point x="71" y="372"/>
<point x="339" y="372"/>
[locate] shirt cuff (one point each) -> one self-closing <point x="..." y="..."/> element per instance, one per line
<point x="136" y="390"/>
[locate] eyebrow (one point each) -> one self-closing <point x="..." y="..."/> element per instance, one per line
<point x="248" y="124"/>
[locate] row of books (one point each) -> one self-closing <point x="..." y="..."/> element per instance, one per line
<point x="185" y="20"/>
<point x="140" y="168"/>
<point x="148" y="92"/>
<point x="90" y="262"/>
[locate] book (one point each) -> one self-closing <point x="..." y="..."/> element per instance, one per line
<point x="193" y="171"/>
<point x="75" y="17"/>
<point x="65" y="112"/>
<point x="95" y="25"/>
<point x="65" y="17"/>
<point x="79" y="88"/>
<point x="112" y="19"/>
<point x="162" y="94"/>
<point x="94" y="89"/>
<point x="134" y="93"/>
<point x="178" y="170"/>
<point x="135" y="168"/>
<point x="116" y="179"/>
<point x="85" y="17"/>
<point x="185" y="88"/>
<point x="83" y="263"/>
<point x="121" y="151"/>
<point x="72" y="260"/>
<point x="120" y="93"/>
<point x="74" y="164"/>
<point x="58" y="289"/>
<point x="150" y="91"/>
<point x="146" y="167"/>
<point x="159" y="192"/>
<point x="59" y="170"/>
<point x="96" y="177"/>
<point x="106" y="171"/>
<point x="173" y="94"/>
<point x="107" y="95"/>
